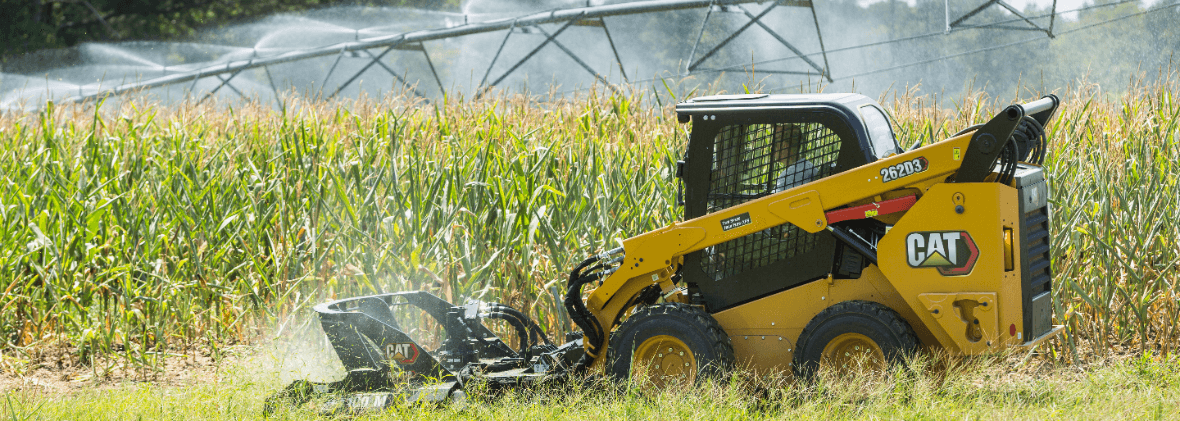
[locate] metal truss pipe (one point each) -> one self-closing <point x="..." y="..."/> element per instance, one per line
<point x="555" y="16"/>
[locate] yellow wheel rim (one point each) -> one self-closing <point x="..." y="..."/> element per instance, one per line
<point x="853" y="350"/>
<point x="664" y="360"/>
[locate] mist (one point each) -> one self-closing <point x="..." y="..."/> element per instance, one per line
<point x="874" y="48"/>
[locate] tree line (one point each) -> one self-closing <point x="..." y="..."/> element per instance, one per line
<point x="33" y="25"/>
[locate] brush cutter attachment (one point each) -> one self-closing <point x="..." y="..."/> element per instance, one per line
<point x="372" y="337"/>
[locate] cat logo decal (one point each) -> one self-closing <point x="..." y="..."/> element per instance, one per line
<point x="953" y="253"/>
<point x="402" y="352"/>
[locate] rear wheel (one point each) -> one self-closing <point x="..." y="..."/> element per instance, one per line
<point x="669" y="344"/>
<point x="853" y="335"/>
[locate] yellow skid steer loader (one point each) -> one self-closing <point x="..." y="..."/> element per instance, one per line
<point x="810" y="238"/>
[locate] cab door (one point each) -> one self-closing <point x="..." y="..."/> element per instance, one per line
<point x="741" y="157"/>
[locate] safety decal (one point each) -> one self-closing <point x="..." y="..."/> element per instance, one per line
<point x="401" y="352"/>
<point x="953" y="253"/>
<point x="735" y="221"/>
<point x="904" y="169"/>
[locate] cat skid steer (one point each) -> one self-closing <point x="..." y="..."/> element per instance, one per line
<point x="810" y="239"/>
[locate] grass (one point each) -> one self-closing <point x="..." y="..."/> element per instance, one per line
<point x="134" y="231"/>
<point x="1139" y="388"/>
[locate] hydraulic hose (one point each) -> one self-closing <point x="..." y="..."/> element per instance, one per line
<point x="1027" y="143"/>
<point x="1041" y="143"/>
<point x="516" y="324"/>
<point x="535" y="332"/>
<point x="582" y="317"/>
<point x="1008" y="159"/>
<point x="599" y="268"/>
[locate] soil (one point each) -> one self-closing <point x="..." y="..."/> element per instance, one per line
<point x="60" y="372"/>
<point x="58" y="369"/>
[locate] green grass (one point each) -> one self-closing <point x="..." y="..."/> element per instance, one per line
<point x="1140" y="388"/>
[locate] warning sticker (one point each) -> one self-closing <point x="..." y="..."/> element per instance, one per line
<point x="735" y="221"/>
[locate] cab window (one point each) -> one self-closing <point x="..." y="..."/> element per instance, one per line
<point x="880" y="133"/>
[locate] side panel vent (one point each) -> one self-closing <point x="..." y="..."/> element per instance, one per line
<point x="1036" y="273"/>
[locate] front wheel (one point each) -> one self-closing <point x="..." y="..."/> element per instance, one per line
<point x="669" y="344"/>
<point x="851" y="335"/>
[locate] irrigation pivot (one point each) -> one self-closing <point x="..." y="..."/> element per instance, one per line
<point x="353" y="60"/>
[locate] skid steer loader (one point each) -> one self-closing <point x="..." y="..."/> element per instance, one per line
<point x="810" y="238"/>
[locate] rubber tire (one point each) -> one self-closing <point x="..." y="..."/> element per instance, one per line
<point x="884" y="326"/>
<point x="698" y="330"/>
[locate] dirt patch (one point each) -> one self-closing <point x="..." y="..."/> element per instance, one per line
<point x="302" y="353"/>
<point x="58" y="372"/>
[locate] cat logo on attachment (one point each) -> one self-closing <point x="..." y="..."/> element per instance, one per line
<point x="401" y="353"/>
<point x="953" y="253"/>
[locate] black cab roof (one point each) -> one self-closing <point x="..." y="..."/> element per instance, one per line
<point x="872" y="125"/>
<point x="713" y="103"/>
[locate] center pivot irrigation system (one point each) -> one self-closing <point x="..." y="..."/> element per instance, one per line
<point x="376" y="48"/>
<point x="713" y="36"/>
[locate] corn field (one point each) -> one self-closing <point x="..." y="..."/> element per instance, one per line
<point x="135" y="230"/>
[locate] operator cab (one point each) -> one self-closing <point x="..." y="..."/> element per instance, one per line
<point x="744" y="147"/>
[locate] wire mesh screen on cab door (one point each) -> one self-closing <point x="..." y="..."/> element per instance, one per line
<point x="756" y="160"/>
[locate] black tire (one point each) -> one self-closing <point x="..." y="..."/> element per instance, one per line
<point x="709" y="345"/>
<point x="890" y="333"/>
